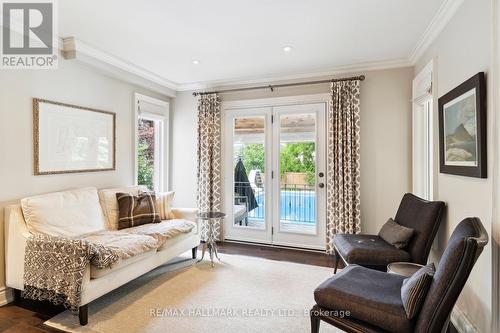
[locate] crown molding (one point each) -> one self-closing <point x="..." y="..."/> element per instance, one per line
<point x="73" y="48"/>
<point x="439" y="21"/>
<point x="273" y="78"/>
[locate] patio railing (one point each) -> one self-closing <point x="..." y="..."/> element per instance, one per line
<point x="297" y="202"/>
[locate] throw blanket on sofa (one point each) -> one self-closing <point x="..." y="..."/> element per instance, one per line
<point x="54" y="267"/>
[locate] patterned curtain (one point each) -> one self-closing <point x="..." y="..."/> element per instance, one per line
<point x="208" y="195"/>
<point x="343" y="194"/>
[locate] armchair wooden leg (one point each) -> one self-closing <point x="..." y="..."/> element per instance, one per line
<point x="83" y="314"/>
<point x="194" y="250"/>
<point x="336" y="261"/>
<point x="315" y="321"/>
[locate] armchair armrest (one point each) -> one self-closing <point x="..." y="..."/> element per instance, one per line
<point x="187" y="214"/>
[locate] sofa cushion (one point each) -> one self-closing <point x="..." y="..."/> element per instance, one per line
<point x="164" y="205"/>
<point x="395" y="234"/>
<point x="107" y="198"/>
<point x="136" y="210"/>
<point x="96" y="272"/>
<point x="126" y="245"/>
<point x="164" y="230"/>
<point x="66" y="214"/>
<point x="367" y="250"/>
<point x="369" y="295"/>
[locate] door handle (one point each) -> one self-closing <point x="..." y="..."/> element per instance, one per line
<point x="321" y="185"/>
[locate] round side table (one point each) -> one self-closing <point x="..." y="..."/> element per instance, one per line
<point x="405" y="269"/>
<point x="210" y="242"/>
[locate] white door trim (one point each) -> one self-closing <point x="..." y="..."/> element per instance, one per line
<point x="233" y="106"/>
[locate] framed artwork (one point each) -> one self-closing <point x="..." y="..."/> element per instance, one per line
<point x="462" y="129"/>
<point x="70" y="139"/>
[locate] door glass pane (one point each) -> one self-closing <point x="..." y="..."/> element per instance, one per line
<point x="146" y="153"/>
<point x="249" y="169"/>
<point x="298" y="173"/>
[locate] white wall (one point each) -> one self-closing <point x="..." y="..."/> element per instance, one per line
<point x="385" y="141"/>
<point x="461" y="50"/>
<point x="74" y="84"/>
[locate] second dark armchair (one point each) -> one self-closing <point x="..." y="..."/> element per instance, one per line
<point x="372" y="251"/>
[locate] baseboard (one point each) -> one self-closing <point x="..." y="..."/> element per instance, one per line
<point x="6" y="295"/>
<point x="461" y="322"/>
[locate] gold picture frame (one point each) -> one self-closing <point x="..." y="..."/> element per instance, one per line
<point x="57" y="107"/>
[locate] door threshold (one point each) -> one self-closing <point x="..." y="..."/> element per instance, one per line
<point x="286" y="247"/>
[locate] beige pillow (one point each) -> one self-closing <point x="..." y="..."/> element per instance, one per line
<point x="107" y="198"/>
<point x="65" y="214"/>
<point x="164" y="205"/>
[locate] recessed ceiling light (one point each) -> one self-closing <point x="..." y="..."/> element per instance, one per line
<point x="287" y="48"/>
<point x="196" y="62"/>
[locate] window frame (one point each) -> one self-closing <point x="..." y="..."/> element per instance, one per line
<point x="423" y="121"/>
<point x="161" y="121"/>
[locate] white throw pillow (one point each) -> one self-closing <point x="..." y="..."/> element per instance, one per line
<point x="109" y="204"/>
<point x="66" y="214"/>
<point x="164" y="205"/>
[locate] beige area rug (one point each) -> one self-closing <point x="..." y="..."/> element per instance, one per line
<point x="241" y="294"/>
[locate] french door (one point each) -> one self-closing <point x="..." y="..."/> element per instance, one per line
<point x="274" y="174"/>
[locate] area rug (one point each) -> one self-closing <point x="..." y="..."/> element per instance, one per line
<point x="240" y="294"/>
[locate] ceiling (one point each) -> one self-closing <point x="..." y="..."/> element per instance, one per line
<point x="244" y="39"/>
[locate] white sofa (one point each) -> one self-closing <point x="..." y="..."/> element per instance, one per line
<point x="97" y="282"/>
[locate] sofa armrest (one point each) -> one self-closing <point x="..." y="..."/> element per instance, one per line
<point x="187" y="214"/>
<point x="16" y="235"/>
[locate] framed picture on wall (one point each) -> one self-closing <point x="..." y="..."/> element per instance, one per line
<point x="69" y="138"/>
<point x="462" y="129"/>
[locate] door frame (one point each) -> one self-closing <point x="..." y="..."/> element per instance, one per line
<point x="230" y="106"/>
<point x="287" y="238"/>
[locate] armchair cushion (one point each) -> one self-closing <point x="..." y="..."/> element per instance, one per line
<point x="369" y="295"/>
<point x="395" y="234"/>
<point x="367" y="250"/>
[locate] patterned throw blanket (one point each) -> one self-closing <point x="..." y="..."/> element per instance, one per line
<point x="54" y="267"/>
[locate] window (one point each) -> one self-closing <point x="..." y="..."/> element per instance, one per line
<point x="151" y="144"/>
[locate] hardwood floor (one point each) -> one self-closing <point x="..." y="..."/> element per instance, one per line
<point x="315" y="258"/>
<point x="25" y="316"/>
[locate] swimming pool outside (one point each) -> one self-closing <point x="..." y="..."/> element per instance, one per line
<point x="297" y="207"/>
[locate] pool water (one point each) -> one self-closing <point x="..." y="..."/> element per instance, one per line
<point x="295" y="207"/>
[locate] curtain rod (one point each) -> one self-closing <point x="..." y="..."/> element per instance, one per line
<point x="271" y="86"/>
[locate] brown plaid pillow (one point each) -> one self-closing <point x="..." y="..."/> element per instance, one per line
<point x="136" y="209"/>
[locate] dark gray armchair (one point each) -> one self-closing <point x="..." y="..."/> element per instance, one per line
<point x="372" y="251"/>
<point x="373" y="298"/>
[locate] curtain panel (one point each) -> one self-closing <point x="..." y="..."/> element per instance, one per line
<point x="208" y="194"/>
<point x="343" y="169"/>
